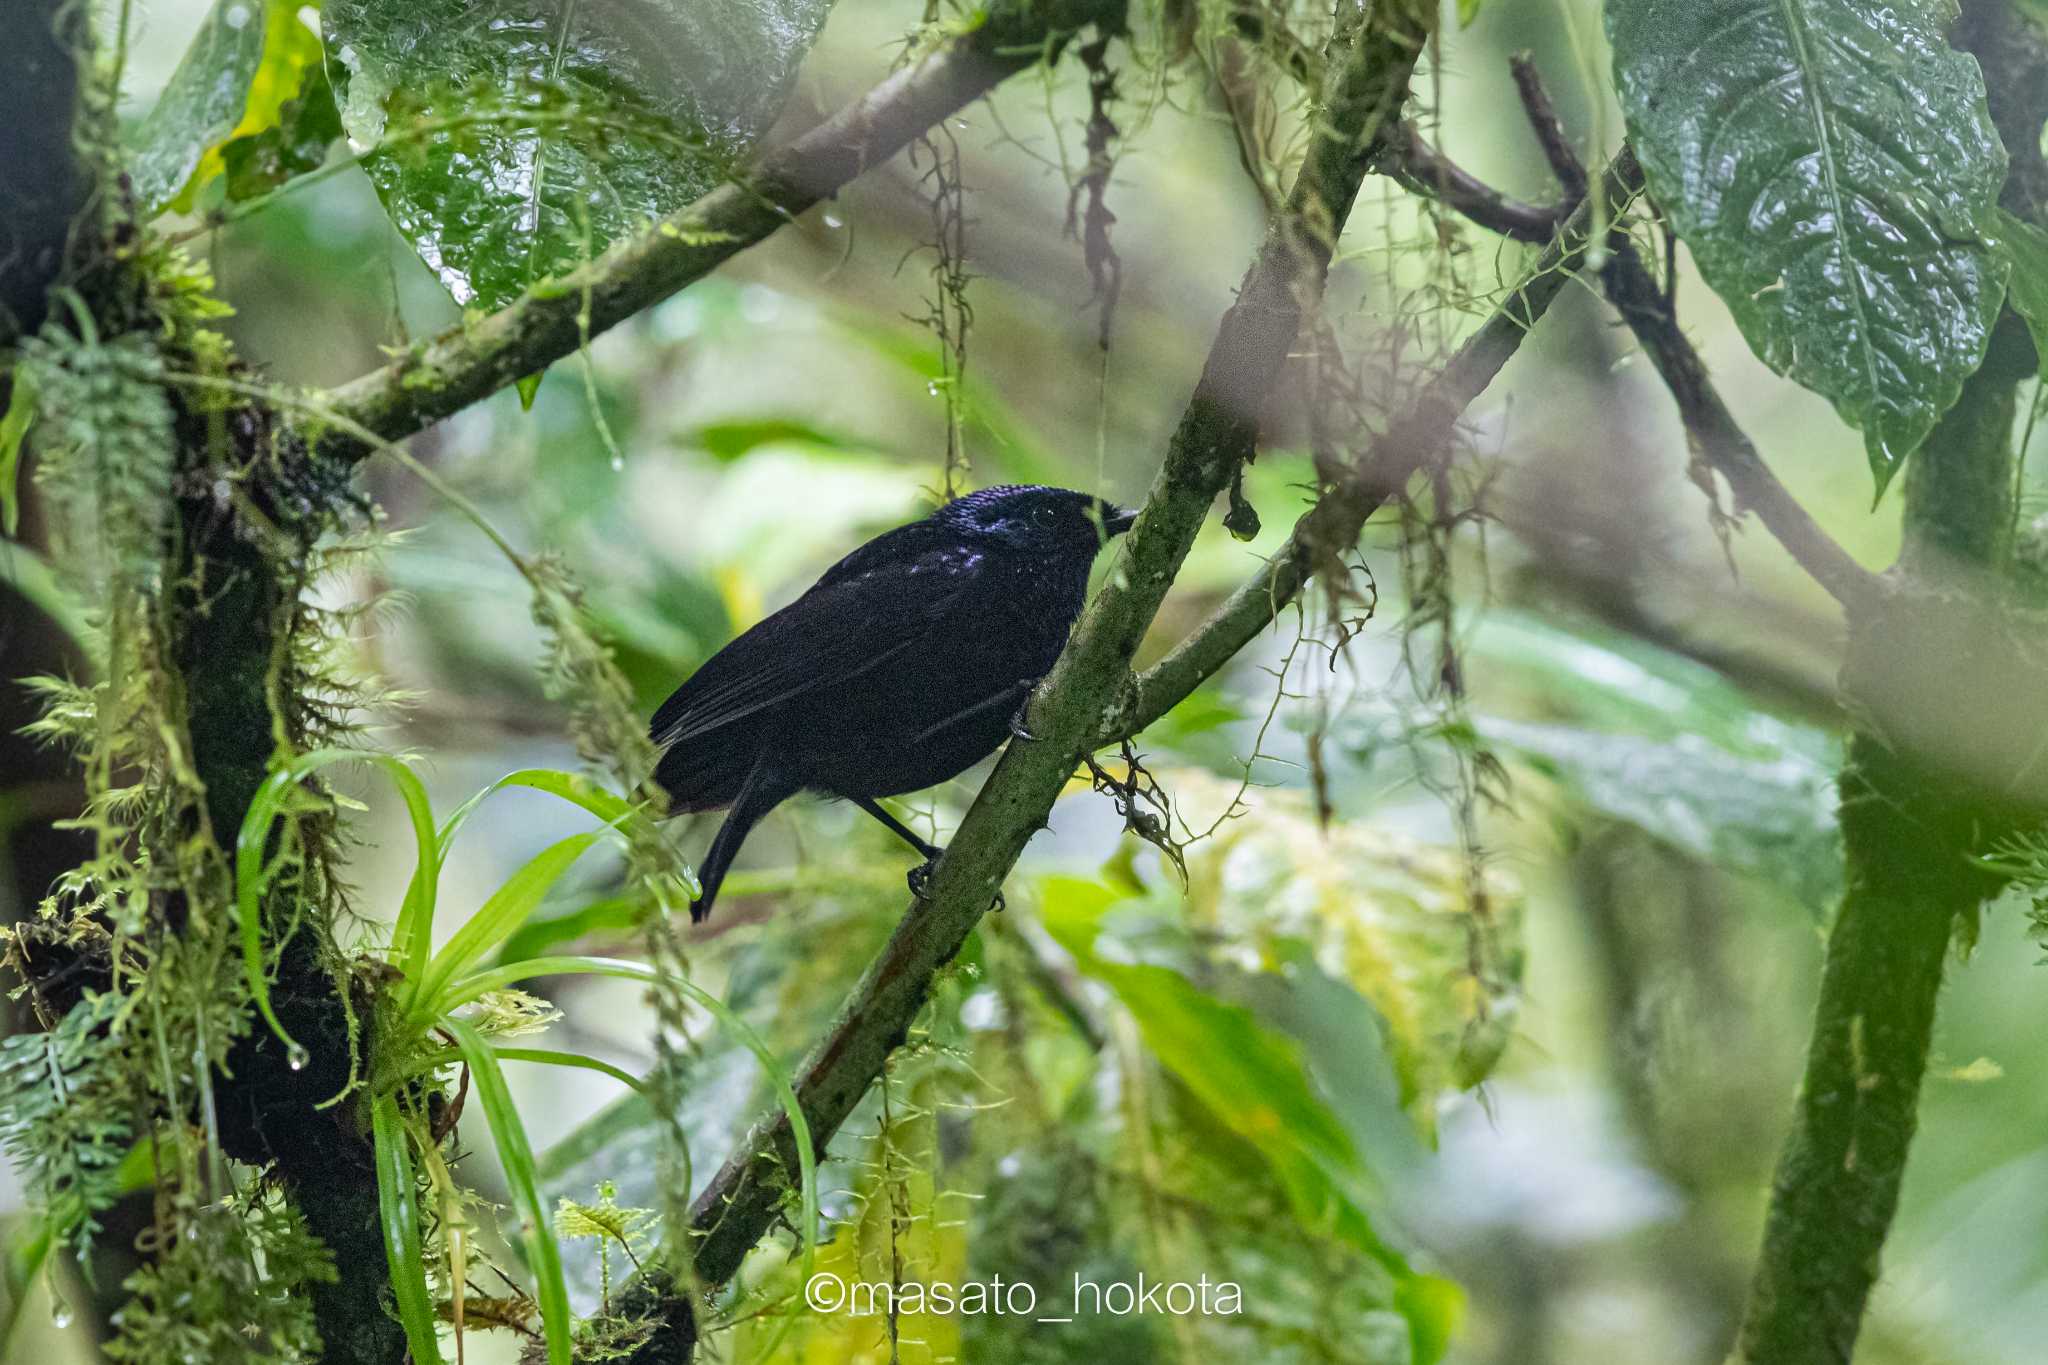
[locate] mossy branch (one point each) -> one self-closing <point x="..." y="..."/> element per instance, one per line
<point x="1908" y="833"/>
<point x="1090" y="689"/>
<point x="438" y="378"/>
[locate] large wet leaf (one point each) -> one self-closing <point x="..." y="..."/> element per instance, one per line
<point x="1254" y="1084"/>
<point x="517" y="138"/>
<point x="243" y="75"/>
<point x="1833" y="167"/>
<point x="1400" y="922"/>
<point x="1643" y="736"/>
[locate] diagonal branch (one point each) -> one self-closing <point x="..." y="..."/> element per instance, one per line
<point x="1648" y="308"/>
<point x="1371" y="62"/>
<point x="1713" y="433"/>
<point x="438" y="378"/>
<point x="1416" y="166"/>
<point x="1418" y="436"/>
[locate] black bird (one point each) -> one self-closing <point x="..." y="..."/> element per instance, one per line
<point x="899" y="669"/>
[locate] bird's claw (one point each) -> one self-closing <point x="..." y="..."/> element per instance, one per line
<point x="1019" y="727"/>
<point x="920" y="878"/>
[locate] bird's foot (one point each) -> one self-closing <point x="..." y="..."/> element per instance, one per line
<point x="920" y="878"/>
<point x="1019" y="726"/>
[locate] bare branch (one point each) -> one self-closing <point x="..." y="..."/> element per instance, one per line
<point x="1548" y="127"/>
<point x="1711" y="430"/>
<point x="1415" y="165"/>
<point x="1713" y="433"/>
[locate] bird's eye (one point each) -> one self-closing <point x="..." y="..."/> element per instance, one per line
<point x="1045" y="516"/>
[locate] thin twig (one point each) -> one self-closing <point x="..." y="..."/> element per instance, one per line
<point x="1548" y="127"/>
<point x="1647" y="306"/>
<point x="1712" y="431"/>
<point x="1415" y="165"/>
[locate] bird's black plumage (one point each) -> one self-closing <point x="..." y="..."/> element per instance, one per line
<point x="897" y="670"/>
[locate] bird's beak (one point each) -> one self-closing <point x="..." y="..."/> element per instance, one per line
<point x="1119" y="519"/>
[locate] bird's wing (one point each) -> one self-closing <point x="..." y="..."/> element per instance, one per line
<point x="845" y="626"/>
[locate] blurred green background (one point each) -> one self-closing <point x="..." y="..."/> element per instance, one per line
<point x="1657" y="845"/>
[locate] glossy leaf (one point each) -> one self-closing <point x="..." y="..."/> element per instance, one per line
<point x="1666" y="744"/>
<point x="2028" y="247"/>
<point x="1833" y="168"/>
<point x="518" y="138"/>
<point x="294" y="144"/>
<point x="249" y="61"/>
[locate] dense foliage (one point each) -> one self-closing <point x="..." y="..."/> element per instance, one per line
<point x="1417" y="966"/>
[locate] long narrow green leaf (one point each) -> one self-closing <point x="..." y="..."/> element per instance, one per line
<point x="550" y="1057"/>
<point x="507" y="909"/>
<point x="477" y="983"/>
<point x="571" y="787"/>
<point x="785" y="1092"/>
<point x="399" y="1216"/>
<point x="415" y="917"/>
<point x="436" y="1060"/>
<point x="516" y="1156"/>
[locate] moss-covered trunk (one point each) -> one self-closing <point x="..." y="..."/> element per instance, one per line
<point x="1918" y="800"/>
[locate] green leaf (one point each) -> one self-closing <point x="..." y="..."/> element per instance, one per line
<point x="414" y="933"/>
<point x="1833" y="167"/>
<point x="778" y="1075"/>
<point x="248" y="62"/>
<point x="254" y="164"/>
<point x="508" y="1134"/>
<point x="21" y="414"/>
<point x="398" y="1215"/>
<point x="1256" y="1083"/>
<point x="2028" y="291"/>
<point x="1390" y="916"/>
<point x="1646" y="737"/>
<point x="518" y="138"/>
<point x="507" y="908"/>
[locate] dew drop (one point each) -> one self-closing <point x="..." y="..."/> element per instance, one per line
<point x="932" y="387"/>
<point x="833" y="220"/>
<point x="618" y="464"/>
<point x="296" y="1057"/>
<point x="60" y="1314"/>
